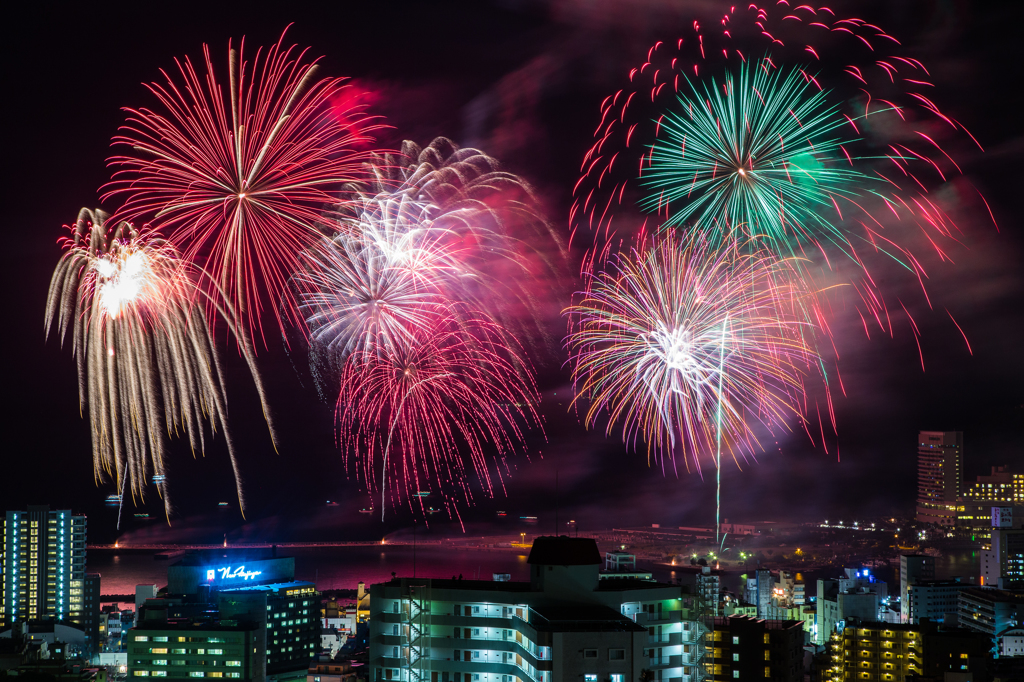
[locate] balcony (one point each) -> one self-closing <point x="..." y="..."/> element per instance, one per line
<point x="675" y="661"/>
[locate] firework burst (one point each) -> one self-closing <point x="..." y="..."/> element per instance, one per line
<point x="147" y="364"/>
<point x="685" y="347"/>
<point x="406" y="413"/>
<point x="502" y="249"/>
<point x="237" y="175"/>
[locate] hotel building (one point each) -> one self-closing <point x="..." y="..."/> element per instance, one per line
<point x="940" y="457"/>
<point x="569" y="623"/>
<point x="42" y="568"/>
<point x="254" y="603"/>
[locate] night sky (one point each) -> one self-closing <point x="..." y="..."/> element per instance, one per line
<point x="523" y="81"/>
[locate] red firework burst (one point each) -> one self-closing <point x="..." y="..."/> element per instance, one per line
<point x="237" y="176"/>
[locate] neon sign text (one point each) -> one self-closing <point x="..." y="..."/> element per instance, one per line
<point x="228" y="573"/>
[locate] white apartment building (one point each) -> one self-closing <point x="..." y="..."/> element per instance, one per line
<point x="566" y="625"/>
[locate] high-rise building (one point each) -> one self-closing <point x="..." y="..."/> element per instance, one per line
<point x="939" y="476"/>
<point x="43" y="565"/>
<point x="567" y="624"/>
<point x="913" y="567"/>
<point x="90" y="622"/>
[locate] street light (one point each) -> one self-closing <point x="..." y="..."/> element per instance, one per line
<point x="523" y="539"/>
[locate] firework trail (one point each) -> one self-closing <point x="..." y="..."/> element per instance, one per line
<point x="237" y="176"/>
<point x="685" y="347"/>
<point x="147" y="363"/>
<point x="406" y="413"/>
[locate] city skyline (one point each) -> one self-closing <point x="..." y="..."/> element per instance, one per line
<point x="888" y="399"/>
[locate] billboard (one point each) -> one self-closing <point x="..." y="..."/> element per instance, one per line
<point x="228" y="572"/>
<point x="1002" y="517"/>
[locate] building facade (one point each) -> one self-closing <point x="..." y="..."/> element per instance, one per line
<point x="989" y="611"/>
<point x="745" y="648"/>
<point x="1002" y="564"/>
<point x="939" y="476"/>
<point x="43" y="565"/>
<point x="189" y="650"/>
<point x="934" y="599"/>
<point x="566" y="625"/>
<point x="913" y="567"/>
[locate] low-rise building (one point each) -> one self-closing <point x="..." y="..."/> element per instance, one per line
<point x="988" y="610"/>
<point x="934" y="599"/>
<point x="187" y="650"/>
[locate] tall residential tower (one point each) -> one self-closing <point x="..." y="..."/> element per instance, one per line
<point x="940" y="456"/>
<point x="43" y="566"/>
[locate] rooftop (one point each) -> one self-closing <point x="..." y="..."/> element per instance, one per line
<point x="564" y="551"/>
<point x="269" y="587"/>
<point x="578" y="618"/>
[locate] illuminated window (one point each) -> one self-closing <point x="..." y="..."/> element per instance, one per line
<point x="141" y="673"/>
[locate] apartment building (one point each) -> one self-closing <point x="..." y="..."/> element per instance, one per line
<point x="746" y="648"/>
<point x="566" y="625"/>
<point x="894" y="652"/>
<point x="42" y="569"/>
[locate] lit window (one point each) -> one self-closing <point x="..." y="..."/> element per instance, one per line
<point x="233" y="664"/>
<point x="735" y="640"/>
<point x="736" y="674"/>
<point x="590" y="678"/>
<point x="141" y="673"/>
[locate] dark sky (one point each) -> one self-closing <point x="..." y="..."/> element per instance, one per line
<point x="523" y="81"/>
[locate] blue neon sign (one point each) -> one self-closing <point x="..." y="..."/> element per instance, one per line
<point x="231" y="573"/>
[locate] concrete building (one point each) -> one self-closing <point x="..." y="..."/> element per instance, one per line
<point x="90" y="615"/>
<point x="251" y="590"/>
<point x="1000" y="488"/>
<point x="934" y="599"/>
<point x="828" y="614"/>
<point x="43" y="567"/>
<point x="989" y="611"/>
<point x="1002" y="565"/>
<point x="744" y="648"/>
<point x="913" y="567"/>
<point x="886" y="652"/>
<point x="566" y="625"/>
<point x="939" y="476"/>
<point x="188" y="650"/>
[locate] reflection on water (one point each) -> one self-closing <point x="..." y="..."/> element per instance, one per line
<point x="343" y="567"/>
<point x="330" y="567"/>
